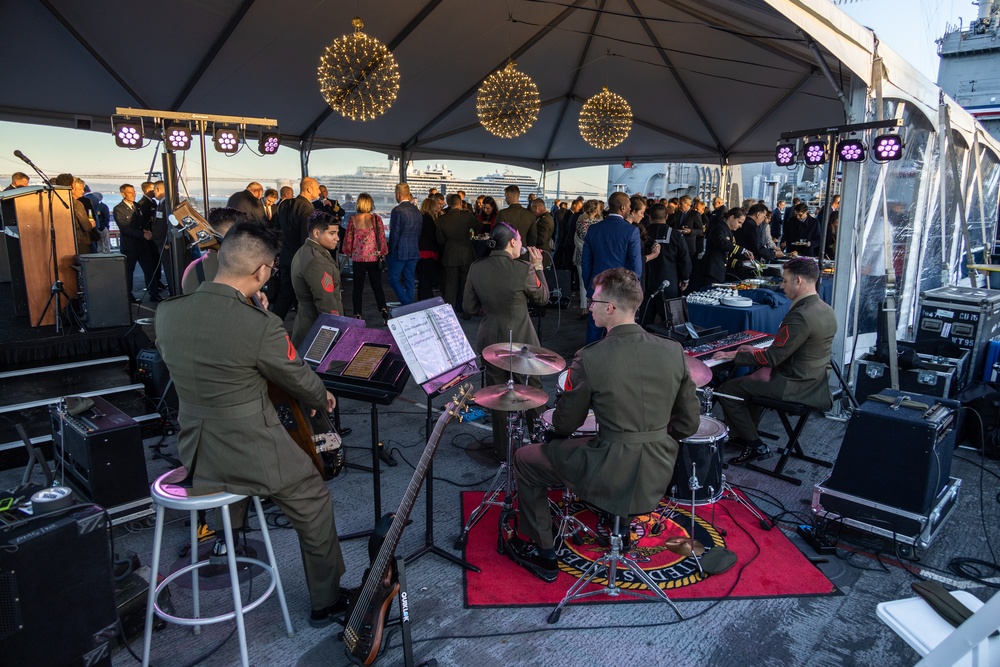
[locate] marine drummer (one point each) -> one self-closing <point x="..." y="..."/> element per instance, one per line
<point x="637" y="384"/>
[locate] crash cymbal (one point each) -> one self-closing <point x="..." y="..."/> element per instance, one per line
<point x="524" y="359"/>
<point x="700" y="373"/>
<point x="684" y="546"/>
<point x="519" y="397"/>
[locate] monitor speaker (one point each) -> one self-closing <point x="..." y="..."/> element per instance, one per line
<point x="105" y="295"/>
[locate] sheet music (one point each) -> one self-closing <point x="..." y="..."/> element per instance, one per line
<point x="432" y="342"/>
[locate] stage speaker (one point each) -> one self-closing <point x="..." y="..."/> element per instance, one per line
<point x="153" y="373"/>
<point x="101" y="452"/>
<point x="897" y="456"/>
<point x="105" y="295"/>
<point x="57" y="602"/>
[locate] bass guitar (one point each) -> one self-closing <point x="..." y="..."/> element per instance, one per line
<point x="368" y="611"/>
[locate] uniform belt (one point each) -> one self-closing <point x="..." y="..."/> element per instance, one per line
<point x="632" y="437"/>
<point x="227" y="412"/>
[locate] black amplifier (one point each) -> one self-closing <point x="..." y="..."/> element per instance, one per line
<point x="898" y="454"/>
<point x="57" y="592"/>
<point x="101" y="452"/>
<point x="153" y="373"/>
<point x="105" y="296"/>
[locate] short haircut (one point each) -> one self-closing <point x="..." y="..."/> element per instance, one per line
<point x="591" y="207"/>
<point x="454" y="200"/>
<point x="247" y="246"/>
<point x="322" y="221"/>
<point x="736" y="212"/>
<point x="79" y="181"/>
<point x="403" y="191"/>
<point x="461" y="193"/>
<point x="806" y="267"/>
<point x="223" y="218"/>
<point x="287" y="192"/>
<point x="18" y="176"/>
<point x="717" y="202"/>
<point x="271" y="192"/>
<point x="757" y="208"/>
<point x="835" y="199"/>
<point x="123" y="187"/>
<point x="795" y="200"/>
<point x="364" y="203"/>
<point x="621" y="287"/>
<point x="439" y="196"/>
<point x="618" y="200"/>
<point x="538" y="203"/>
<point x="658" y="212"/>
<point x="306" y="182"/>
<point x="501" y="235"/>
<point x="63" y="179"/>
<point x="674" y="200"/>
<point x="158" y="184"/>
<point x="801" y="208"/>
<point x="684" y="200"/>
<point x="146" y="186"/>
<point x="512" y="190"/>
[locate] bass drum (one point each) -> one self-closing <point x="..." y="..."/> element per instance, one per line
<point x="698" y="470"/>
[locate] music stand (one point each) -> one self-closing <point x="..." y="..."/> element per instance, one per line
<point x="405" y="319"/>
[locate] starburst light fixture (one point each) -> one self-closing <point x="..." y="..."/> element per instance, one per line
<point x="507" y="102"/>
<point x="358" y="75"/>
<point x="605" y="120"/>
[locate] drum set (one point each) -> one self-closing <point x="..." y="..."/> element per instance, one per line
<point x="698" y="479"/>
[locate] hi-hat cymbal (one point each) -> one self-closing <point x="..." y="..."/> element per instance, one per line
<point x="684" y="546"/>
<point x="519" y="397"/>
<point x="700" y="373"/>
<point x="524" y="359"/>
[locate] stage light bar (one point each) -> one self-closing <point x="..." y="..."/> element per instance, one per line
<point x="128" y="134"/>
<point x="814" y="153"/>
<point x="177" y="137"/>
<point x="851" y="150"/>
<point x="784" y="155"/>
<point x="226" y="140"/>
<point x="268" y="143"/>
<point x="887" y="147"/>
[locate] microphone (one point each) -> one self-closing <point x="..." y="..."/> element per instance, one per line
<point x="21" y="156"/>
<point x="664" y="285"/>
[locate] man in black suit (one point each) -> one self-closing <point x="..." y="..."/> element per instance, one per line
<point x="17" y="180"/>
<point x="749" y="235"/>
<point x="722" y="253"/>
<point x="671" y="264"/>
<point x="271" y="206"/>
<point x="135" y="241"/>
<point x="248" y="201"/>
<point x="324" y="203"/>
<point x="293" y="220"/>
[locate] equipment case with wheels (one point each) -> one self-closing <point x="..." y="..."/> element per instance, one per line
<point x="967" y="316"/>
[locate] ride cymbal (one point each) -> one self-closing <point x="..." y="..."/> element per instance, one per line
<point x="517" y="398"/>
<point x="524" y="359"/>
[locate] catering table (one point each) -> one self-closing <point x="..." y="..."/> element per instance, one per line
<point x="758" y="317"/>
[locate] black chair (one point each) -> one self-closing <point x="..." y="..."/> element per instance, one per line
<point x="792" y="448"/>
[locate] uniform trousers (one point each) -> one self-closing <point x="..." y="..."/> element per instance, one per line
<point x="535" y="473"/>
<point x="742" y="417"/>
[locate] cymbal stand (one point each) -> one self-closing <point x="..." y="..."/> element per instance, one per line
<point x="503" y="481"/>
<point x="671" y="507"/>
<point x="569" y="525"/>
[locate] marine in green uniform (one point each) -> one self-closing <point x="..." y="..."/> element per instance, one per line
<point x="644" y="402"/>
<point x="315" y="275"/>
<point x="796" y="367"/>
<point x="518" y="217"/>
<point x="502" y="286"/>
<point x="222" y="351"/>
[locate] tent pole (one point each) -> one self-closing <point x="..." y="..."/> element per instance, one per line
<point x="203" y="127"/>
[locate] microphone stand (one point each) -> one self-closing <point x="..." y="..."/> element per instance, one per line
<point x="57" y="288"/>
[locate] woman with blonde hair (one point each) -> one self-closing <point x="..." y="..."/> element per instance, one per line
<point x="365" y="243"/>
<point x="589" y="215"/>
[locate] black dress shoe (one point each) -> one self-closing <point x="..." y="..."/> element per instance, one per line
<point x="526" y="555"/>
<point x="320" y="618"/>
<point x="750" y="454"/>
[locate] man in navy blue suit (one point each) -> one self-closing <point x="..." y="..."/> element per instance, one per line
<point x="610" y="244"/>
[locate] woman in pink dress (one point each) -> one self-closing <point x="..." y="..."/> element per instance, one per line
<point x="365" y="243"/>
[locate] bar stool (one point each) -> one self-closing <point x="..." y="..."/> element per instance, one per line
<point x="608" y="564"/>
<point x="169" y="493"/>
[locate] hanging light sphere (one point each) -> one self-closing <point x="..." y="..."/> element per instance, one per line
<point x="605" y="120"/>
<point x="507" y="103"/>
<point x="358" y="75"/>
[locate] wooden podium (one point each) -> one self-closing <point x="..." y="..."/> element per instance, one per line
<point x="28" y="246"/>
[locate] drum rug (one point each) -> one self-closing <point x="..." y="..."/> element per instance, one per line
<point x="768" y="564"/>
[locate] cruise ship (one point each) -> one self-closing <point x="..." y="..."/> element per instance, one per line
<point x="380" y="183"/>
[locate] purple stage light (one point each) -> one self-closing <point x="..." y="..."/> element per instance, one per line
<point x="851" y="150"/>
<point x="226" y="140"/>
<point x="269" y="142"/>
<point x="888" y="147"/>
<point x="815" y="153"/>
<point x="177" y="138"/>
<point x="128" y="135"/>
<point x="784" y="155"/>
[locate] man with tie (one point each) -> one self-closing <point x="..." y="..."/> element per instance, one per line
<point x="134" y="240"/>
<point x="271" y="207"/>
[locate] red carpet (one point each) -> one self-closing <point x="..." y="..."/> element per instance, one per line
<point x="768" y="564"/>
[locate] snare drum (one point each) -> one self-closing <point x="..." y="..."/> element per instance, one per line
<point x="587" y="429"/>
<point x="698" y="470"/>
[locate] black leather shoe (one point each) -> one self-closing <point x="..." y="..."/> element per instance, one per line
<point x="527" y="556"/>
<point x="320" y="618"/>
<point x="750" y="454"/>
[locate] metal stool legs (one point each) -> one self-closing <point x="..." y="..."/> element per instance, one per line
<point x="610" y="562"/>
